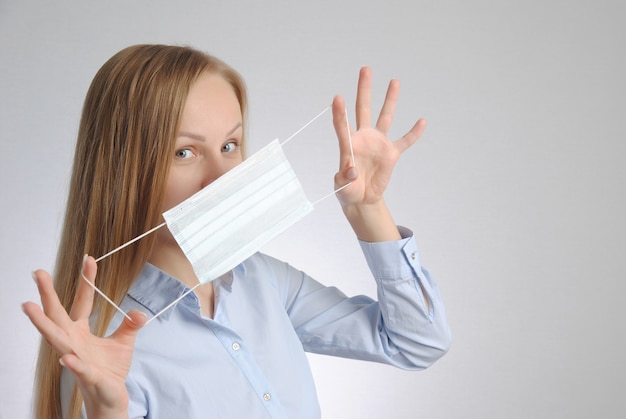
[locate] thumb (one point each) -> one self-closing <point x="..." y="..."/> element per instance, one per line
<point x="128" y="329"/>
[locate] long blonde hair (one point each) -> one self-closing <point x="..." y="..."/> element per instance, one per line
<point x="124" y="148"/>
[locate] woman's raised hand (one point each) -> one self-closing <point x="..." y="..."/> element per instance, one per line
<point x="375" y="158"/>
<point x="99" y="365"/>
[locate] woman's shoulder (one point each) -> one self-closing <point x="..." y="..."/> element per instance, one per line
<point x="264" y="266"/>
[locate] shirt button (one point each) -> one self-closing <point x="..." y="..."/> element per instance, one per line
<point x="413" y="255"/>
<point x="236" y="346"/>
<point x="267" y="397"/>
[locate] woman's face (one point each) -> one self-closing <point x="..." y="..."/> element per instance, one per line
<point x="209" y="139"/>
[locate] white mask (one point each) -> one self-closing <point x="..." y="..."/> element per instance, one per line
<point x="233" y="217"/>
<point x="230" y="219"/>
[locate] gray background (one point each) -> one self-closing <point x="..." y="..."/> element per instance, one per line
<point x="515" y="192"/>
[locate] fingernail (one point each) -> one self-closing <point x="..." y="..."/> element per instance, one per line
<point x="34" y="275"/>
<point x="352" y="173"/>
<point x="62" y="363"/>
<point x="82" y="266"/>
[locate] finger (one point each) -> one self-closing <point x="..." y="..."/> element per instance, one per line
<point x="52" y="333"/>
<point x="83" y="300"/>
<point x="342" y="129"/>
<point x="411" y="137"/>
<point x="389" y="106"/>
<point x="128" y="329"/>
<point x="76" y="366"/>
<point x="50" y="302"/>
<point x="344" y="177"/>
<point x="363" y="98"/>
<point x="83" y="371"/>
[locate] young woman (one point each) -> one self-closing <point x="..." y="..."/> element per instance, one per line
<point x="160" y="123"/>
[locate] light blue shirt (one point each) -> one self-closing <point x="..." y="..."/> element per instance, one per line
<point x="249" y="360"/>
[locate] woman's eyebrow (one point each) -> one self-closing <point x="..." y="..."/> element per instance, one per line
<point x="198" y="137"/>
<point x="192" y="136"/>
<point x="232" y="131"/>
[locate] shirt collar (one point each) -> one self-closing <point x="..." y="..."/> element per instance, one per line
<point x="155" y="289"/>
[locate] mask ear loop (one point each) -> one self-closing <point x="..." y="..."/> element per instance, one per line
<point x="351" y="157"/>
<point x="117" y="249"/>
<point x="103" y="295"/>
<point x="313" y="120"/>
<point x="349" y="141"/>
<point x="305" y="125"/>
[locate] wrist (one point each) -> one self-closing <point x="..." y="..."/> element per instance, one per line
<point x="107" y="414"/>
<point x="372" y="222"/>
<point x="96" y="410"/>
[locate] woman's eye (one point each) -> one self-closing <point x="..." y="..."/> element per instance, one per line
<point x="228" y="147"/>
<point x="184" y="153"/>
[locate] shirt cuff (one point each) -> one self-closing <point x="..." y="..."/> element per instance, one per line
<point x="393" y="259"/>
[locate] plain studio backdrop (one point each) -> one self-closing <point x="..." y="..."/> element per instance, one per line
<point x="515" y="192"/>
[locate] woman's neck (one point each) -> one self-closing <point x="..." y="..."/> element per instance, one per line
<point x="168" y="257"/>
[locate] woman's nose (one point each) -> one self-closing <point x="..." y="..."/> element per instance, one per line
<point x="216" y="170"/>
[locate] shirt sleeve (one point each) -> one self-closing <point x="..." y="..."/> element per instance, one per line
<point x="406" y="327"/>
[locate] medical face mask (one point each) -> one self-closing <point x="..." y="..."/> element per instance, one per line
<point x="229" y="220"/>
<point x="233" y="217"/>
